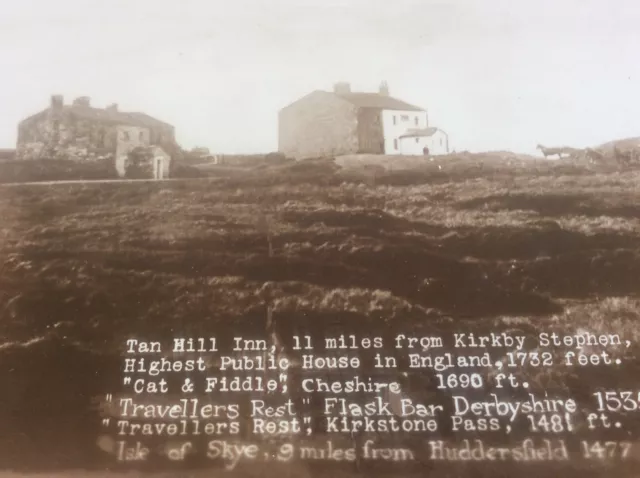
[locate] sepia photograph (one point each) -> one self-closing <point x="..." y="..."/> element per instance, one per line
<point x="320" y="238"/>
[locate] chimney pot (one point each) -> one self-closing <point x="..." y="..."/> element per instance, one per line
<point x="57" y="102"/>
<point x="112" y="108"/>
<point x="384" y="88"/>
<point x="342" y="88"/>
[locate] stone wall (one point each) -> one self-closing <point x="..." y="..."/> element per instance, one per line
<point x="318" y="125"/>
<point x="21" y="170"/>
<point x="84" y="140"/>
<point x="50" y="136"/>
<point x="7" y="154"/>
<point x="35" y="137"/>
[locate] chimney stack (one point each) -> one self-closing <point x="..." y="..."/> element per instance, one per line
<point x="113" y="108"/>
<point x="57" y="102"/>
<point x="342" y="88"/>
<point x="82" y="101"/>
<point x="384" y="88"/>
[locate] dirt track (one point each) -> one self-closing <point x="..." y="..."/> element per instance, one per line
<point x="90" y="181"/>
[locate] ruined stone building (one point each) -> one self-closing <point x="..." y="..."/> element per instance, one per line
<point x="339" y="122"/>
<point x="84" y="133"/>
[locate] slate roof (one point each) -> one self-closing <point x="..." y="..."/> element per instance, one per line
<point x="422" y="132"/>
<point x="119" y="117"/>
<point x="376" y="100"/>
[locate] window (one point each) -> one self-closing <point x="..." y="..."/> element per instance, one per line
<point x="404" y="117"/>
<point x="416" y="118"/>
<point x="141" y="135"/>
<point x="394" y="119"/>
<point x="125" y="135"/>
<point x="440" y="141"/>
<point x="395" y="143"/>
<point x="417" y="140"/>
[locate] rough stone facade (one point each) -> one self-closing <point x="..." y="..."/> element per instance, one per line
<point x="343" y="122"/>
<point x="318" y="125"/>
<point x="370" y="134"/>
<point x="82" y="133"/>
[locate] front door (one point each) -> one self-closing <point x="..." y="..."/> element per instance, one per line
<point x="159" y="169"/>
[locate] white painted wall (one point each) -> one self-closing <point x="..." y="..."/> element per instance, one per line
<point x="161" y="163"/>
<point x="414" y="145"/>
<point x="437" y="144"/>
<point x="393" y="129"/>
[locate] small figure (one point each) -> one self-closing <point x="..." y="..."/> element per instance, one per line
<point x="425" y="151"/>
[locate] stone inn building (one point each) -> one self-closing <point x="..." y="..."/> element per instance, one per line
<point x="341" y="122"/>
<point x="81" y="132"/>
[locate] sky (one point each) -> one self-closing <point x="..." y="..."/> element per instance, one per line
<point x="493" y="74"/>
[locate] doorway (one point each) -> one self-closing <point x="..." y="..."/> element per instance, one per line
<point x="159" y="170"/>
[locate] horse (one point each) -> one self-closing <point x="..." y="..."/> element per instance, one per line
<point x="560" y="150"/>
<point x="553" y="151"/>
<point x="594" y="156"/>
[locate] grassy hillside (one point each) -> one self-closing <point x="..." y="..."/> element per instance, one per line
<point x="86" y="266"/>
<point x="501" y="159"/>
<point x="627" y="143"/>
